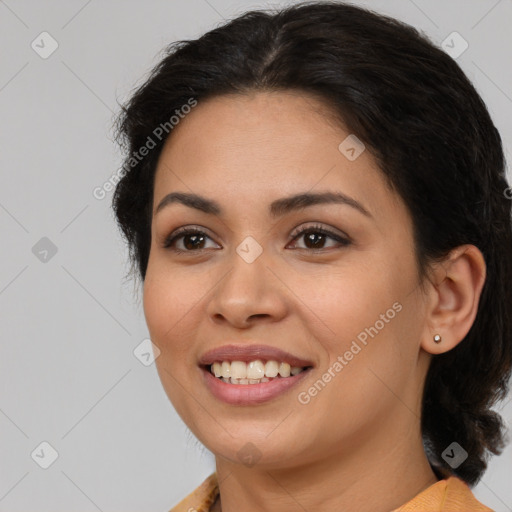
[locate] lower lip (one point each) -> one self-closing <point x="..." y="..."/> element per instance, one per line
<point x="250" y="394"/>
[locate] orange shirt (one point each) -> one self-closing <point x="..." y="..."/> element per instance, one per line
<point x="449" y="495"/>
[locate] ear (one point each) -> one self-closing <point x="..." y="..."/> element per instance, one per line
<point x="454" y="292"/>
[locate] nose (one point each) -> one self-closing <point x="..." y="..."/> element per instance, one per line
<point x="249" y="292"/>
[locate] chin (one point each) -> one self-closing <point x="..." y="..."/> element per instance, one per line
<point x="249" y="446"/>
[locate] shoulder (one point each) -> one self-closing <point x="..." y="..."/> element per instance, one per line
<point x="449" y="495"/>
<point x="201" y="499"/>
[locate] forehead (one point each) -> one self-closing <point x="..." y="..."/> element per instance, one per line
<point x="253" y="148"/>
<point x="253" y="120"/>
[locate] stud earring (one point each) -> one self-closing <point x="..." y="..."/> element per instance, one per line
<point x="437" y="338"/>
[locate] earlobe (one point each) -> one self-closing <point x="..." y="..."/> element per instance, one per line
<point x="455" y="293"/>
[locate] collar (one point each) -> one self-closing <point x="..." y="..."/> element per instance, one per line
<point x="448" y="495"/>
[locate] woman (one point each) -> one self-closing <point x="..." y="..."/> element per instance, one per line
<point x="315" y="200"/>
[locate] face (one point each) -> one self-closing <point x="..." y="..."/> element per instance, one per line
<point x="333" y="284"/>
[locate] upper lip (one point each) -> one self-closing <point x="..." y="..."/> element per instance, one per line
<point x="249" y="353"/>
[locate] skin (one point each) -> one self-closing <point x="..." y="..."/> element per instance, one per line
<point x="357" y="444"/>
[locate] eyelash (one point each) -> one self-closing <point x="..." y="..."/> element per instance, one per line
<point x="169" y="241"/>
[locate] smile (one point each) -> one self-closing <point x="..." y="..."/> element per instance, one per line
<point x="253" y="372"/>
<point x="245" y="391"/>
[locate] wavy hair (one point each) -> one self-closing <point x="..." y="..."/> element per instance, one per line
<point x="429" y="131"/>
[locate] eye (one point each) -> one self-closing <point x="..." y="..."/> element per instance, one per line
<point x="193" y="239"/>
<point x="316" y="237"/>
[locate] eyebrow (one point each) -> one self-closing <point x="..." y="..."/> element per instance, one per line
<point x="278" y="208"/>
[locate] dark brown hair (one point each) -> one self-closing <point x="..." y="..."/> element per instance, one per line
<point x="430" y="132"/>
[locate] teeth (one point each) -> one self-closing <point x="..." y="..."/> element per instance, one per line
<point x="238" y="370"/>
<point x="245" y="381"/>
<point x="284" y="370"/>
<point x="271" y="369"/>
<point x="226" y="370"/>
<point x="254" y="372"/>
<point x="217" y="369"/>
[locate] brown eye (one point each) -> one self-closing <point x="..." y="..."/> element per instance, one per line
<point x="315" y="238"/>
<point x="193" y="240"/>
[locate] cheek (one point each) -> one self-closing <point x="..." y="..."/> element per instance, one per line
<point x="348" y="301"/>
<point x="169" y="317"/>
<point x="168" y="301"/>
<point x="368" y="319"/>
<point x="371" y="360"/>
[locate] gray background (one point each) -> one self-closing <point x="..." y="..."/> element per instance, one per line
<point x="70" y="324"/>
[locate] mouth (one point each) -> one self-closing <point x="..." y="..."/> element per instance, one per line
<point x="251" y="374"/>
<point x="254" y="372"/>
